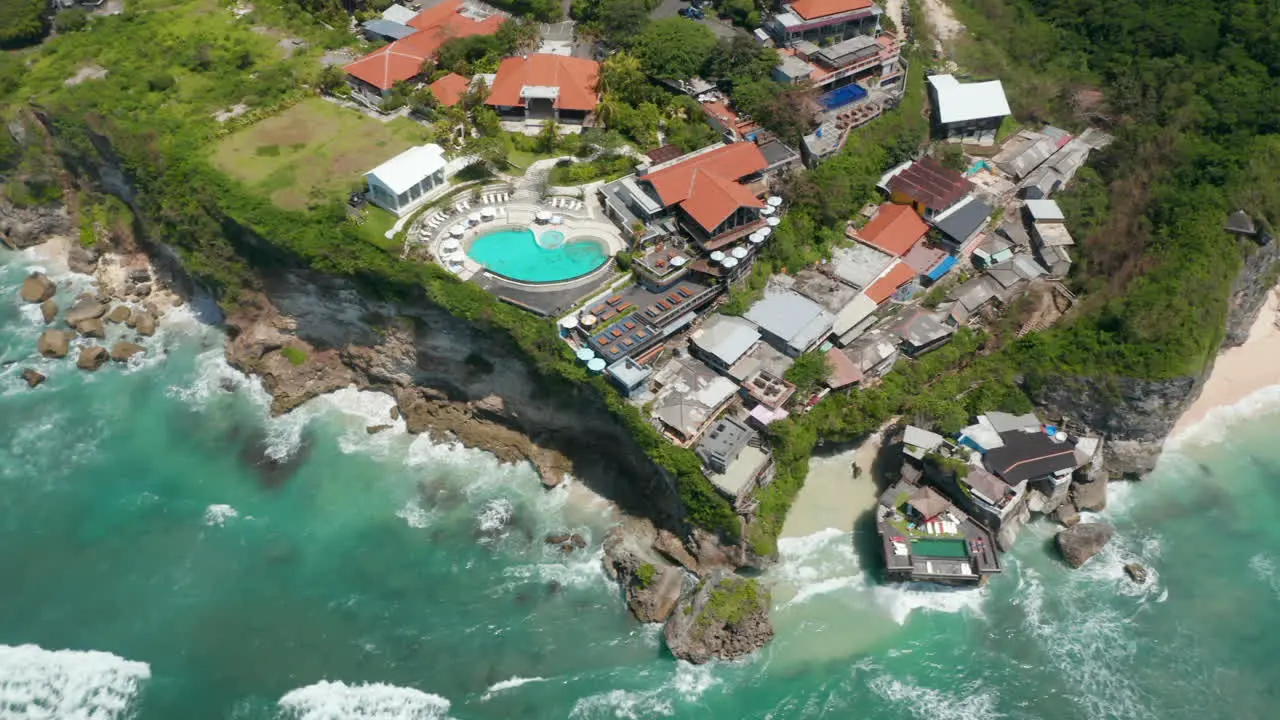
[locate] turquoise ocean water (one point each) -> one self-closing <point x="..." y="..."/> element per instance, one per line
<point x="517" y="255"/>
<point x="152" y="565"/>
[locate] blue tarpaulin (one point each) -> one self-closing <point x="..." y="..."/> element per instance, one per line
<point x="943" y="268"/>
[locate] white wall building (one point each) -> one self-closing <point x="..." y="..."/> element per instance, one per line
<point x="404" y="182"/>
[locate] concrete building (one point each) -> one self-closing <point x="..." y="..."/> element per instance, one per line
<point x="968" y="111"/>
<point x="722" y="341"/>
<point x="689" y="396"/>
<point x="790" y="322"/>
<point x="405" y="182"/>
<point x="962" y="223"/>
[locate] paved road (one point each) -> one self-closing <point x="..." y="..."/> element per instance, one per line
<point x="671" y="8"/>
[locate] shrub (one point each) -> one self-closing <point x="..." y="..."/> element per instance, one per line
<point x="295" y="356"/>
<point x="22" y="22"/>
<point x="69" y="21"/>
<point x="160" y="82"/>
<point x="645" y="575"/>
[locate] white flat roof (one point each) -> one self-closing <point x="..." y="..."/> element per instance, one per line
<point x="961" y="102"/>
<point x="858" y="309"/>
<point x="1045" y="211"/>
<point x="399" y="14"/>
<point x="409" y="167"/>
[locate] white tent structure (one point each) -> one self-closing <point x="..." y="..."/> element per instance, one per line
<point x="404" y="182"/>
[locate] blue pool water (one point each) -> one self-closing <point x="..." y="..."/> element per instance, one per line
<point x="516" y="254"/>
<point x="842" y="96"/>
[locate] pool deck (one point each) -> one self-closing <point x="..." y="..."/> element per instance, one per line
<point x="982" y="559"/>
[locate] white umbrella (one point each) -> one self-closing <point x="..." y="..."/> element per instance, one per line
<point x="730" y="263"/>
<point x="773" y="221"/>
<point x="756" y="238"/>
<point x="457" y="230"/>
<point x="739" y="252"/>
<point x="767" y="210"/>
<point x="775" y="201"/>
<point x="450" y="244"/>
<point x="765" y="232"/>
<point x="542" y="216"/>
<point x="585" y="354"/>
<point x="488" y="212"/>
<point x="595" y="364"/>
<point x="717" y="256"/>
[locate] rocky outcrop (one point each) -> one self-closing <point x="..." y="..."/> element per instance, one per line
<point x="119" y="314"/>
<point x="37" y="288"/>
<point x="651" y="586"/>
<point x="122" y="351"/>
<point x="91" y="328"/>
<point x="85" y="309"/>
<point x="1091" y="495"/>
<point x="32" y="377"/>
<point x="1067" y="514"/>
<point x="24" y="227"/>
<point x="1249" y="291"/>
<point x="48" y="311"/>
<point x="1080" y="542"/>
<point x="92" y="357"/>
<point x="1136" y="573"/>
<point x="54" y="343"/>
<point x="726" y="617"/>
<point x="144" y="321"/>
<point x="671" y="548"/>
<point x="83" y="260"/>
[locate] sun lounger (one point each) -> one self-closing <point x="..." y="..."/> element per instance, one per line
<point x="629" y="325"/>
<point x="684" y="291"/>
<point x="663" y="306"/>
<point x="626" y="306"/>
<point x="614" y="300"/>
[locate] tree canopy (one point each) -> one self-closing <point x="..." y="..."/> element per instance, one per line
<point x="675" y="48"/>
<point x="22" y="22"/>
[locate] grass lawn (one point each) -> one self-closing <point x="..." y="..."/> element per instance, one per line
<point x="520" y="160"/>
<point x="375" y="226"/>
<point x="315" y="148"/>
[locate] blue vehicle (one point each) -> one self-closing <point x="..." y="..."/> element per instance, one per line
<point x="693" y="13"/>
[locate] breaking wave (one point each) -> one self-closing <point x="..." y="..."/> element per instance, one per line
<point x="688" y="684"/>
<point x="510" y="684"/>
<point x="36" y="684"/>
<point x="377" y="701"/>
<point x="219" y="515"/>
<point x="928" y="704"/>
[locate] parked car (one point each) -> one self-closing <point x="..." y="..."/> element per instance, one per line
<point x="692" y="13"/>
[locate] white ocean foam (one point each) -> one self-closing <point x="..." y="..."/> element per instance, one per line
<point x="219" y="515"/>
<point x="1086" y="640"/>
<point x="377" y="701"/>
<point x="692" y="681"/>
<point x="818" y="564"/>
<point x="1108" y="565"/>
<point x="1216" y="426"/>
<point x="509" y="684"/>
<point x="901" y="599"/>
<point x="1263" y="567"/>
<point x="494" y="517"/>
<point x="39" y="684"/>
<point x="414" y="515"/>
<point x="930" y="704"/>
<point x="622" y="705"/>
<point x="577" y="571"/>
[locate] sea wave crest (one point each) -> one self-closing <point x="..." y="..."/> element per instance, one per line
<point x="929" y="704"/>
<point x="37" y="684"/>
<point x="509" y="684"/>
<point x="376" y="701"/>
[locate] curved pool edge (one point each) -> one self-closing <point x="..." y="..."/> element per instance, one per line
<point x="602" y="244"/>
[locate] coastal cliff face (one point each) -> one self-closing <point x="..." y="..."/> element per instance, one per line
<point x="1135" y="416"/>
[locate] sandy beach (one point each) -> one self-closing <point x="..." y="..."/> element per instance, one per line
<point x="1240" y="371"/>
<point x="832" y="497"/>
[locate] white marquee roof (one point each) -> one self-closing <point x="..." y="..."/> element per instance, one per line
<point x="409" y="167"/>
<point x="962" y="102"/>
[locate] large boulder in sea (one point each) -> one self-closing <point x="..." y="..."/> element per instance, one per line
<point x="54" y="343"/>
<point x="87" y="308"/>
<point x="33" y="377"/>
<point x="1067" y="514"/>
<point x="37" y="288"/>
<point x="92" y="357"/>
<point x="726" y="617"/>
<point x="122" y="351"/>
<point x="119" y="314"/>
<point x="91" y="328"/>
<point x="48" y="311"/>
<point x="1080" y="542"/>
<point x="144" y="322"/>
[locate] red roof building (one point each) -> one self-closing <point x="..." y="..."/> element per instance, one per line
<point x="450" y="89"/>
<point x="929" y="187"/>
<point x="895" y="230"/>
<point x="402" y="60"/>
<point x="553" y="85"/>
<point x="708" y="187"/>
<point x="814" y="9"/>
<point x="900" y="274"/>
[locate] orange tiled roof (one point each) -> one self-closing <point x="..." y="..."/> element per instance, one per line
<point x="895" y="229"/>
<point x="450" y="88"/>
<point x="706" y="186"/>
<point x="402" y="59"/>
<point x="814" y="9"/>
<point x="575" y="77"/>
<point x="889" y="283"/>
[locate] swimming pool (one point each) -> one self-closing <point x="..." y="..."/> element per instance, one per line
<point x="516" y="254"/>
<point x="940" y="547"/>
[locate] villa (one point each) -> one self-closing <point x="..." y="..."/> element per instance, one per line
<point x="372" y="76"/>
<point x="711" y="195"/>
<point x="926" y="538"/>
<point x="821" y="21"/>
<point x="926" y="185"/>
<point x="544" y="87"/>
<point x="404" y="183"/>
<point x="734" y="459"/>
